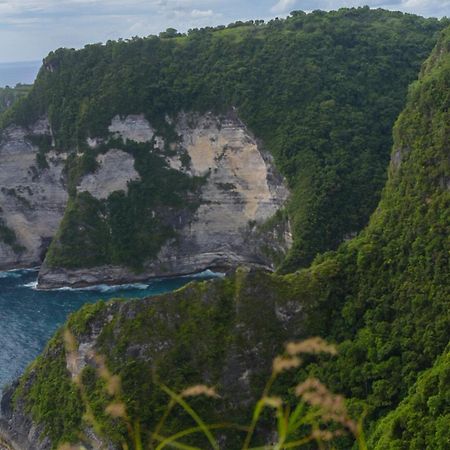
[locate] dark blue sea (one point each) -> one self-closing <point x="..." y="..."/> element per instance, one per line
<point x="29" y="317"/>
<point x="18" y="72"/>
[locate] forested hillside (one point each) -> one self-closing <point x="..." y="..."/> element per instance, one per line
<point x="321" y="92"/>
<point x="383" y="297"/>
<point x="393" y="321"/>
<point x="9" y="95"/>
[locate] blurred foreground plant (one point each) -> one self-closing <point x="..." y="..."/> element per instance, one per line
<point x="319" y="417"/>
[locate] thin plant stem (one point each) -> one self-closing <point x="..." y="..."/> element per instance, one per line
<point x="163" y="420"/>
<point x="258" y="409"/>
<point x="297" y="443"/>
<point x="179" y="445"/>
<point x="193" y="414"/>
<point x="194" y="430"/>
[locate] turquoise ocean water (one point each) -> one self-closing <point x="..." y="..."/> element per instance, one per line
<point x="28" y="317"/>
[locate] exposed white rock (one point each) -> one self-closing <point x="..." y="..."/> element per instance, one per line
<point x="32" y="201"/>
<point x="84" y="354"/>
<point x="133" y="127"/>
<point x="175" y="163"/>
<point x="242" y="190"/>
<point x="287" y="311"/>
<point x="94" y="142"/>
<point x="115" y="171"/>
<point x="41" y="127"/>
<point x="231" y="154"/>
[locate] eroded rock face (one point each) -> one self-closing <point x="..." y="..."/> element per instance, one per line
<point x="133" y="127"/>
<point x="32" y="200"/>
<point x="242" y="191"/>
<point x="17" y="429"/>
<point x="115" y="170"/>
<point x="224" y="150"/>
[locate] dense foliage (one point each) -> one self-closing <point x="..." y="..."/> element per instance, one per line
<point x="421" y="420"/>
<point x="384" y="296"/>
<point x="127" y="228"/>
<point x="393" y="315"/>
<point x="9" y="237"/>
<point x="209" y="332"/>
<point x="395" y="320"/>
<point x="9" y="96"/>
<point x="321" y="90"/>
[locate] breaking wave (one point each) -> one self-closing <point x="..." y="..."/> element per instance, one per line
<point x="106" y="288"/>
<point x="16" y="273"/>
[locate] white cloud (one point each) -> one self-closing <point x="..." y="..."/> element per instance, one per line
<point x="427" y="7"/>
<point x="29" y="29"/>
<point x="202" y="13"/>
<point x="283" y="6"/>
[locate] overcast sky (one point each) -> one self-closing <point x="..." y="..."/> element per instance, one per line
<point x="29" y="29"/>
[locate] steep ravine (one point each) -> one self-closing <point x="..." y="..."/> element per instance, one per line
<point x="242" y="191"/>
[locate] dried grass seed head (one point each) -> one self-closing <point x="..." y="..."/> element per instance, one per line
<point x="273" y="402"/>
<point x="331" y="406"/>
<point x="313" y="345"/>
<point x="116" y="410"/>
<point x="200" y="389"/>
<point x="283" y="363"/>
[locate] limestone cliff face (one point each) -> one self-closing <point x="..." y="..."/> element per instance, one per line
<point x="32" y="200"/>
<point x="115" y="170"/>
<point x="242" y="191"/>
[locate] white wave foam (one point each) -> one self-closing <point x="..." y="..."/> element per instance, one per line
<point x="104" y="288"/>
<point x="9" y="275"/>
<point x="206" y="273"/>
<point x="16" y="273"/>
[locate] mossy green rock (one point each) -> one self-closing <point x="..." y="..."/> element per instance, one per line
<point x="222" y="333"/>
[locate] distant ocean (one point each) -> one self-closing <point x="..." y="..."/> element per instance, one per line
<point x="18" y="72"/>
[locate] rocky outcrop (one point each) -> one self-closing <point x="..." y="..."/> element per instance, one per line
<point x="32" y="200"/>
<point x="256" y="318"/>
<point x="133" y="127"/>
<point x="115" y="170"/>
<point x="18" y="431"/>
<point x="242" y="191"/>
